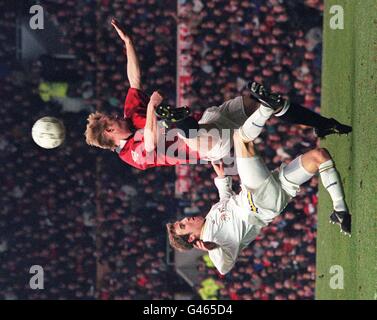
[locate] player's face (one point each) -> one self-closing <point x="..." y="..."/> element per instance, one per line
<point x="118" y="129"/>
<point x="191" y="225"/>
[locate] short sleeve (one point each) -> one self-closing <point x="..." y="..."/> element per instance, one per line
<point x="224" y="187"/>
<point x="222" y="259"/>
<point x="135" y="107"/>
<point x="228" y="237"/>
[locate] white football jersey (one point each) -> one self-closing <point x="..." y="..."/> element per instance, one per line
<point x="231" y="224"/>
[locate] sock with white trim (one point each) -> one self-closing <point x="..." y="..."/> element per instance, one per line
<point x="295" y="172"/>
<point x="331" y="181"/>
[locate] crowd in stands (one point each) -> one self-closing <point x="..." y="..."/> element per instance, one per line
<point x="95" y="225"/>
<point x="277" y="43"/>
<point x="47" y="196"/>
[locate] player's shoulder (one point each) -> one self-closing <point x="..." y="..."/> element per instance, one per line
<point x="136" y="94"/>
<point x="219" y="215"/>
<point x="135" y="104"/>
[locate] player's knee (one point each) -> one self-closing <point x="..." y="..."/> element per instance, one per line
<point x="321" y="155"/>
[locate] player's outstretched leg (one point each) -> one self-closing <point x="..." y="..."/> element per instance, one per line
<point x="319" y="160"/>
<point x="322" y="126"/>
<point x="178" y="117"/>
<point x="170" y="114"/>
<point x="253" y="126"/>
<point x="296" y="114"/>
<point x="270" y="99"/>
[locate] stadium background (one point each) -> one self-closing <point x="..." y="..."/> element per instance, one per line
<point x="97" y="225"/>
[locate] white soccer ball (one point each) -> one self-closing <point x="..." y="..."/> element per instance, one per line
<point x="48" y="132"/>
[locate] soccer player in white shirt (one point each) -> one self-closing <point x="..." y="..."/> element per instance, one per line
<point x="237" y="219"/>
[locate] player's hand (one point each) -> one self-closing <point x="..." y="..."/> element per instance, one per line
<point x="199" y="244"/>
<point x="122" y="34"/>
<point x="219" y="169"/>
<point x="156" y="98"/>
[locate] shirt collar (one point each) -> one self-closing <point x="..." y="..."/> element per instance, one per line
<point x="202" y="231"/>
<point x="122" y="143"/>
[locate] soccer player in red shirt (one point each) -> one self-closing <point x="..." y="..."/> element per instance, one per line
<point x="136" y="135"/>
<point x="143" y="144"/>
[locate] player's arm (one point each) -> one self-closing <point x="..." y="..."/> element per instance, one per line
<point x="223" y="183"/>
<point x="151" y="127"/>
<point x="228" y="239"/>
<point x="223" y="256"/>
<point x="223" y="259"/>
<point x="133" y="66"/>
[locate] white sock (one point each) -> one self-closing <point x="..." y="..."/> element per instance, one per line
<point x="295" y="172"/>
<point x="253" y="126"/>
<point x="331" y="181"/>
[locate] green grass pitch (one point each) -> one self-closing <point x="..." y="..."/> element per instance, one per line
<point x="349" y="93"/>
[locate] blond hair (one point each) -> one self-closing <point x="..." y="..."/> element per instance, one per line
<point x="95" y="131"/>
<point x="179" y="242"/>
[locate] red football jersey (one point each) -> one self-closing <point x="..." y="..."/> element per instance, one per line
<point x="135" y="107"/>
<point x="167" y="153"/>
